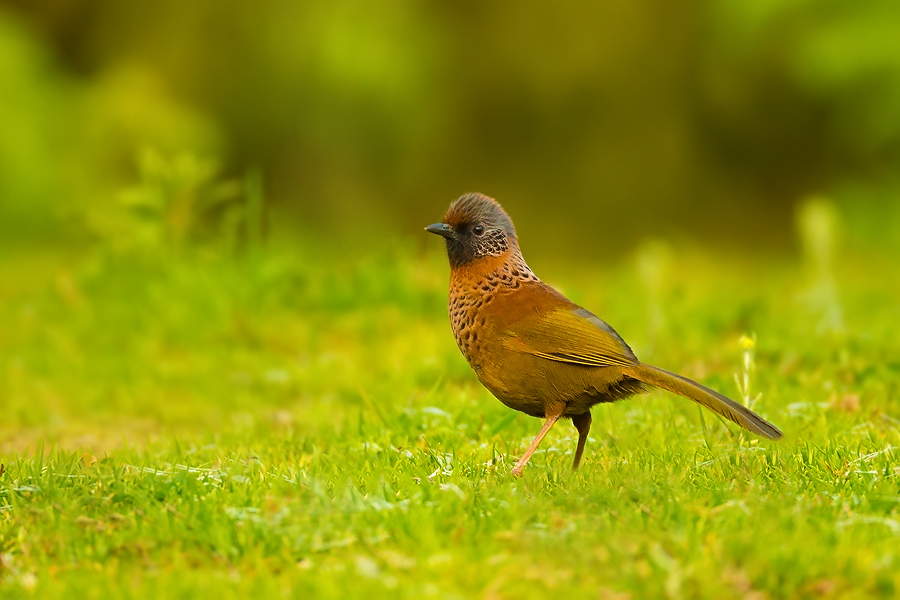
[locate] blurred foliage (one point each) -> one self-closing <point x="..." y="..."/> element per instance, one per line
<point x="708" y="120"/>
<point x="182" y="202"/>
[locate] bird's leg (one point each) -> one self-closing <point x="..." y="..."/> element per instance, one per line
<point x="582" y="423"/>
<point x="548" y="423"/>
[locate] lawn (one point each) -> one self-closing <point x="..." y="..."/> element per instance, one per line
<point x="276" y="424"/>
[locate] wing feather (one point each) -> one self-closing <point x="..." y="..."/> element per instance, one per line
<point x="573" y="336"/>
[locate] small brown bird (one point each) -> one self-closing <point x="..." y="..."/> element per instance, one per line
<point x="533" y="348"/>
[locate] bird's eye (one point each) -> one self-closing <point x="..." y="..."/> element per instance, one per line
<point x="478" y="230"/>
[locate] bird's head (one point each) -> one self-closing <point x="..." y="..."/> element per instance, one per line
<point x="475" y="227"/>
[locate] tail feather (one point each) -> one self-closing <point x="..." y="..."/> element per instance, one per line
<point x="704" y="396"/>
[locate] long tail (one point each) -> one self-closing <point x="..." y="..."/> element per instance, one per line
<point x="700" y="394"/>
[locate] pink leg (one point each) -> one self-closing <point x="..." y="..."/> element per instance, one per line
<point x="548" y="423"/>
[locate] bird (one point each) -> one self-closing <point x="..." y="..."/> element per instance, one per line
<point x="534" y="349"/>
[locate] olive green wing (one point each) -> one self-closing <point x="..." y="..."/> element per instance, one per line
<point x="571" y="335"/>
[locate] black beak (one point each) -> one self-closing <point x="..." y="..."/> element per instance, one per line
<point x="443" y="230"/>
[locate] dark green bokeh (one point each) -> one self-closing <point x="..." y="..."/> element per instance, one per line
<point x="707" y="120"/>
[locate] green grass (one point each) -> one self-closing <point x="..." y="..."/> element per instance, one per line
<point x="280" y="426"/>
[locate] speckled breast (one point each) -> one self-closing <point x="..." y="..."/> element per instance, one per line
<point x="471" y="293"/>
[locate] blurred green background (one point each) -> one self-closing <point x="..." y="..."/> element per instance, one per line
<point x="356" y="122"/>
<point x="224" y="351"/>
